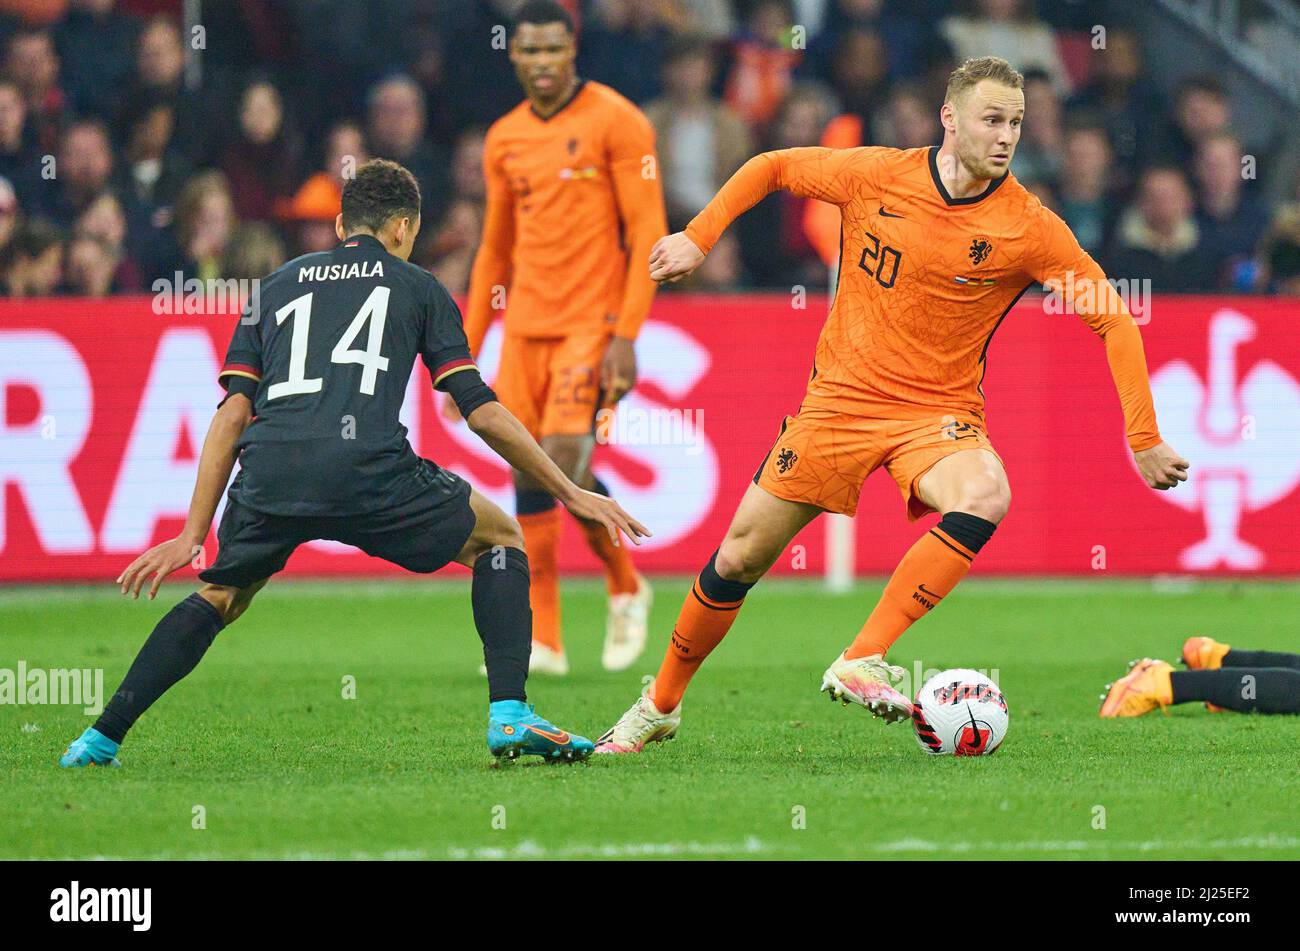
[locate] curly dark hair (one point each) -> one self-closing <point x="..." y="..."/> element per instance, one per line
<point x="380" y="190"/>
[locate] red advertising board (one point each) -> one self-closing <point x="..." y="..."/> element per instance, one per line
<point x="104" y="405"/>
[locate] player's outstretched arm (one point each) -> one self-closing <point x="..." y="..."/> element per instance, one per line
<point x="829" y="175"/>
<point x="215" y="464"/>
<point x="1062" y="265"/>
<point x="508" y="438"/>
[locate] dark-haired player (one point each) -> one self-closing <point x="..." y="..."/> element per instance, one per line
<point x="1219" y="675"/>
<point x="574" y="205"/>
<point x="314" y="381"/>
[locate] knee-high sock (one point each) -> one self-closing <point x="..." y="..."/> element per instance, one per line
<point x="928" y="572"/>
<point x="705" y="618"/>
<point x="1236" y="658"/>
<point x="1244" y="689"/>
<point x="620" y="576"/>
<point x="504" y="620"/>
<point x="177" y="644"/>
<point x="542" y="540"/>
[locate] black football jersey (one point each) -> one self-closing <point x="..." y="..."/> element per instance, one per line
<point x="331" y="344"/>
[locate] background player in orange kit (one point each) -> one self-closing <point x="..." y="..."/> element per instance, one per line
<point x="574" y="205"/>
<point x="937" y="245"/>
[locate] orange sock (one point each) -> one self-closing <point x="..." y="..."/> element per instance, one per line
<point x="542" y="542"/>
<point x="620" y="576"/>
<point x="930" y="569"/>
<point x="700" y="627"/>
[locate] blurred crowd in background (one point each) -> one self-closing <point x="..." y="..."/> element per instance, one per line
<point x="128" y="154"/>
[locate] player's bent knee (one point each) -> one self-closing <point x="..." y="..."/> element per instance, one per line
<point x="990" y="501"/>
<point x="738" y="560"/>
<point x="230" y="602"/>
<point x="508" y="535"/>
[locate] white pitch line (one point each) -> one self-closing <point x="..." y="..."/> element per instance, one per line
<point x="1100" y="844"/>
<point x="527" y="849"/>
<point x="748" y="847"/>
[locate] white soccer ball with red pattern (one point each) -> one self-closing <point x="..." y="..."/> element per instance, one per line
<point x="960" y="712"/>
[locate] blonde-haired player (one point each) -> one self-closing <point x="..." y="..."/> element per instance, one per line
<point x="937" y="245"/>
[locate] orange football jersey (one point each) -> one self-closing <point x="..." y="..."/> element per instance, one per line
<point x="925" y="279"/>
<point x="572" y="199"/>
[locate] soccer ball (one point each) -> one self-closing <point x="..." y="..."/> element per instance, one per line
<point x="960" y="712"/>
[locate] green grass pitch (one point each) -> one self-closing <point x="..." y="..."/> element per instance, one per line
<point x="261" y="737"/>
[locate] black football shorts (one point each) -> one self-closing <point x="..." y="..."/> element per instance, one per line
<point x="420" y="535"/>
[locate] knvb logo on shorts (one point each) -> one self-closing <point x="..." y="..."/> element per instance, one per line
<point x="785" y="460"/>
<point x="952" y="429"/>
<point x="76" y="904"/>
<point x="72" y="686"/>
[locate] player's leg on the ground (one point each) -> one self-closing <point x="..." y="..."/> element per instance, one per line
<point x="1153" y="684"/>
<point x="1243" y="689"/>
<point x="630" y="595"/>
<point x="174" y="648"/>
<point x="760" y="530"/>
<point x="495" y="553"/>
<point x="539" y="517"/>
<point x="969" y="488"/>
<point x="1241" y="658"/>
<point x="539" y="521"/>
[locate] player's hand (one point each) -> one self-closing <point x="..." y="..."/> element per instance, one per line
<point x="158" y="562"/>
<point x="674" y="257"/>
<point x="618" y="369"/>
<point x="593" y="507"/>
<point x="450" y="411"/>
<point x="1161" y="466"/>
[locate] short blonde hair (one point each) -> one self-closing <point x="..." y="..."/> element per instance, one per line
<point x="971" y="72"/>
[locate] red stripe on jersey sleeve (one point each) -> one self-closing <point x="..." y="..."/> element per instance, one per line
<point x="450" y="365"/>
<point x="241" y="368"/>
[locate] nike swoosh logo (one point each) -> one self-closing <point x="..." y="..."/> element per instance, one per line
<point x="977" y="740"/>
<point x="885" y="214"/>
<point x="560" y="737"/>
<point x="922" y="588"/>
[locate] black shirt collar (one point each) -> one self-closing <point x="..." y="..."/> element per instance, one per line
<point x="943" y="192"/>
<point x="363" y="240"/>
<point x="577" y="89"/>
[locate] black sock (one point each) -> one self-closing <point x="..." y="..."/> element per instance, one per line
<point x="1244" y="689"/>
<point x="1236" y="658"/>
<point x="717" y="588"/>
<point x="176" y="645"/>
<point x="533" y="501"/>
<point x="504" y="620"/>
<point x="969" y="530"/>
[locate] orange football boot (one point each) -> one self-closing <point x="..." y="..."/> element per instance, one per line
<point x="1142" y="690"/>
<point x="1204" y="653"/>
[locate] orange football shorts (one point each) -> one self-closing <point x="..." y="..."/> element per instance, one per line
<point x="822" y="457"/>
<point x="552" y="384"/>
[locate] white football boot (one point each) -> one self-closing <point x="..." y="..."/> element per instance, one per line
<point x="626" y="624"/>
<point x="868" y="682"/>
<point x="542" y="660"/>
<point x="641" y="724"/>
